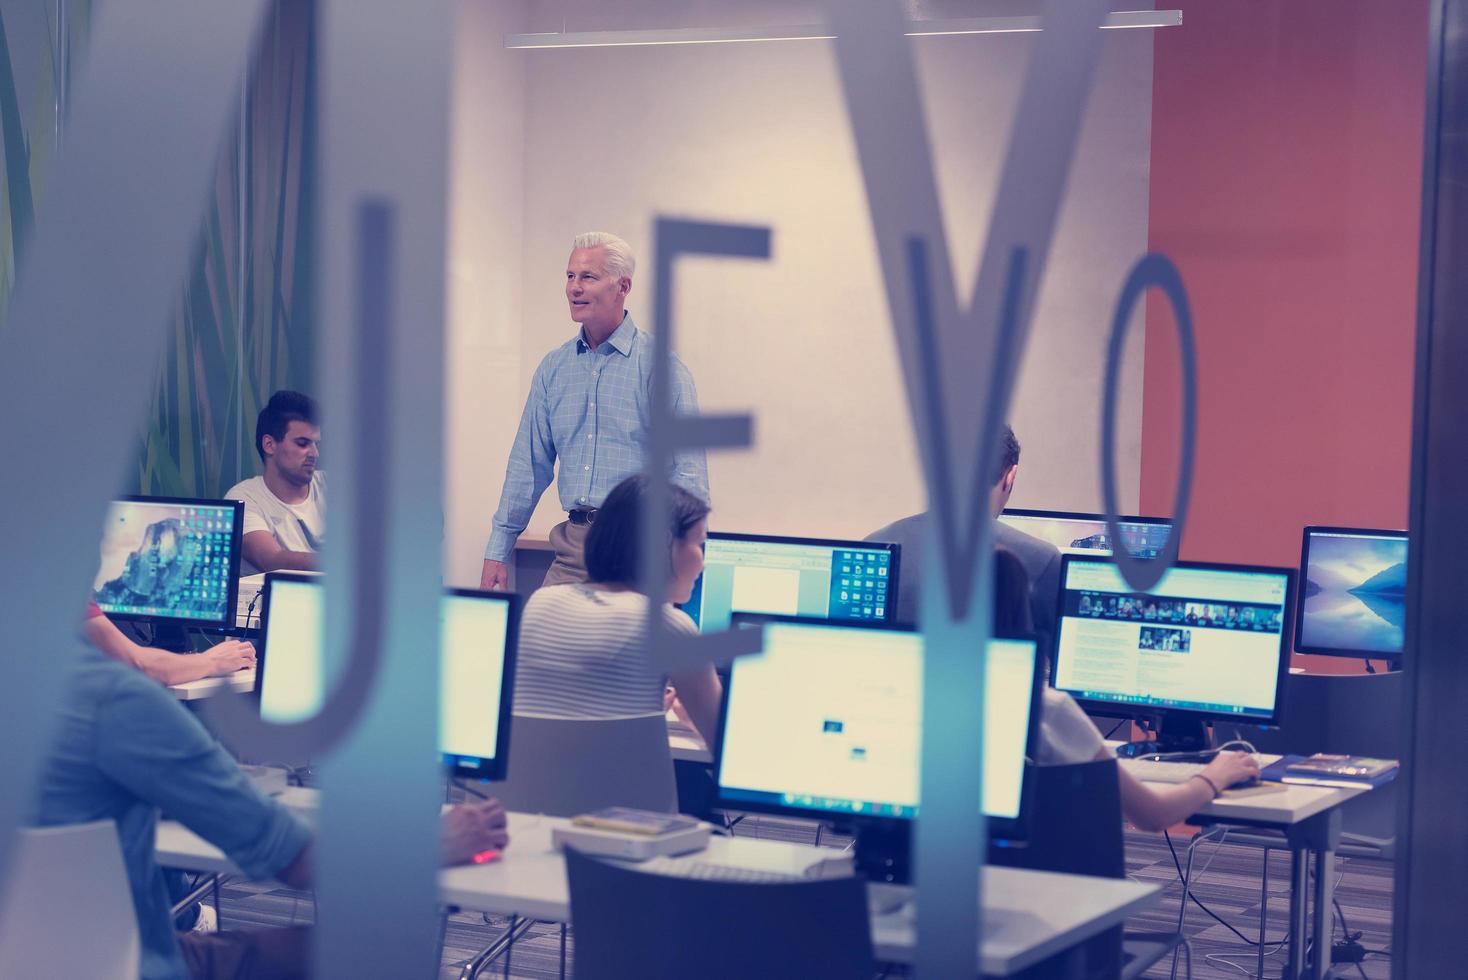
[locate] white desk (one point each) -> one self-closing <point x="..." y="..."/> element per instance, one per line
<point x="1309" y="817"/>
<point x="241" y="681"/>
<point x="1028" y="915"/>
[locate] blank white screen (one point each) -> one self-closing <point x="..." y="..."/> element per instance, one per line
<point x="778" y="735"/>
<point x="472" y="640"/>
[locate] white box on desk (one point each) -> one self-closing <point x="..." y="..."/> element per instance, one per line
<point x="631" y="847"/>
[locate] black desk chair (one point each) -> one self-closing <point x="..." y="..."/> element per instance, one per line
<point x="632" y="923"/>
<point x="1075" y="828"/>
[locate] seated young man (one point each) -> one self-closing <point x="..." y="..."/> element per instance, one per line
<point x="285" y="507"/>
<point x="125" y="749"/>
<point x="164" y="667"/>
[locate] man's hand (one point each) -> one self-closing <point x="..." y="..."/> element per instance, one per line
<point x="473" y="827"/>
<point x="495" y="576"/>
<point x="229" y="656"/>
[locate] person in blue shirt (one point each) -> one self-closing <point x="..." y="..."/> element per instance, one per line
<point x="590" y="407"/>
<point x="125" y="747"/>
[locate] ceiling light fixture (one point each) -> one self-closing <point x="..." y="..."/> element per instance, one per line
<point x="819" y="32"/>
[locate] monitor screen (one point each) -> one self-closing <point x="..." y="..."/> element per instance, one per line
<point x="170" y="559"/>
<point x="1353" y="592"/>
<point x="477" y="639"/>
<point x="823" y="579"/>
<point x="828" y="718"/>
<point x="1076" y="533"/>
<point x="1207" y="639"/>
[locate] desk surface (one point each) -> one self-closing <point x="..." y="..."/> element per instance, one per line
<point x="1291" y="804"/>
<point x="1028" y="915"/>
<point x="242" y="681"/>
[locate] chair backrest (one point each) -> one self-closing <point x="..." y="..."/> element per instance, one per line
<point x="63" y="878"/>
<point x="1075" y="823"/>
<point x="1352" y="714"/>
<point x="632" y="923"/>
<point x="565" y="767"/>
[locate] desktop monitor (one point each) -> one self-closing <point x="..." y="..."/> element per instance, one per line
<point x="1076" y="533"/>
<point x="1208" y="641"/>
<point x="827" y="720"/>
<point x="476" y="676"/>
<point x="813" y="577"/>
<point x="171" y="561"/>
<point x="1353" y="592"/>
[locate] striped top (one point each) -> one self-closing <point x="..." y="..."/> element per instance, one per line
<point x="582" y="654"/>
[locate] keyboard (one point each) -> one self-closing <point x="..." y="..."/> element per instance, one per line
<point x="705" y="871"/>
<point x="1161" y="771"/>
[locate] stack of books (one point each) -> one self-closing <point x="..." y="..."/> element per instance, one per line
<point x="1325" y="769"/>
<point x="633" y="835"/>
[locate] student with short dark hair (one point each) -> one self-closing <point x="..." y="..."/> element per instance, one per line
<point x="285" y="507"/>
<point x="582" y="653"/>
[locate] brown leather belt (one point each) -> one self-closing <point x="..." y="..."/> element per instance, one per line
<point x="581" y="516"/>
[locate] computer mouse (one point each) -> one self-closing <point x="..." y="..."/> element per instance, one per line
<point x="1245" y="783"/>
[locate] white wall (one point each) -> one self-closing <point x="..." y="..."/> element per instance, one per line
<point x="759" y="133"/>
<point x="485" y="273"/>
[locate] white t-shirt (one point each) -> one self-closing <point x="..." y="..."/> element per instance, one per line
<point x="582" y="655"/>
<point x="1066" y="734"/>
<point x="297" y="527"/>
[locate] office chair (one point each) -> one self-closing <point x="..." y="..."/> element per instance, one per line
<point x="1075" y="828"/>
<point x="632" y="923"/>
<point x="564" y="767"/>
<point x="62" y="876"/>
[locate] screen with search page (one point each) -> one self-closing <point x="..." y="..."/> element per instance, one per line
<point x="1205" y="638"/>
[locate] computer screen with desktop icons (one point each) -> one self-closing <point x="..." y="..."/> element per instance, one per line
<point x="828" y="720"/>
<point x="1208" y="640"/>
<point x="823" y="578"/>
<point x="170" y="559"/>
<point x="1078" y="533"/>
<point x="1353" y="592"/>
<point x="477" y="639"/>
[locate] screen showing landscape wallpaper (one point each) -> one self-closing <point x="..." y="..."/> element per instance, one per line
<point x="1355" y="593"/>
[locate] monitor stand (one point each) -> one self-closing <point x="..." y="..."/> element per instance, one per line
<point x="883" y="850"/>
<point x="171" y="637"/>
<point x="1171" y="735"/>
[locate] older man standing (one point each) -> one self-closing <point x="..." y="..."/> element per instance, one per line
<point x="590" y="407"/>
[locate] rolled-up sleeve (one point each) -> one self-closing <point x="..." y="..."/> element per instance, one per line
<point x="149" y="744"/>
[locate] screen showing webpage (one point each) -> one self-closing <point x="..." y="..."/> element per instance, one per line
<point x="1203" y="639"/>
<point x="167" y="560"/>
<point x="471" y="677"/>
<point x="1355" y="591"/>
<point x="1083" y="535"/>
<point x="829" y="718"/>
<point x="790" y="578"/>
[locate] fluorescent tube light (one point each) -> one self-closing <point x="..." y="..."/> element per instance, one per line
<point x="819" y="32"/>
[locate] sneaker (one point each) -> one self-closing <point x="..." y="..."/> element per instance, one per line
<point x="208" y="920"/>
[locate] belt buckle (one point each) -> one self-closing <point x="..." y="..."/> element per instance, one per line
<point x="582" y="517"/>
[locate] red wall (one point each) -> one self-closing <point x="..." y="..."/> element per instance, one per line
<point x="1286" y="182"/>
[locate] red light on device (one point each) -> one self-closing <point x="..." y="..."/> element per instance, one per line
<point x="484" y="857"/>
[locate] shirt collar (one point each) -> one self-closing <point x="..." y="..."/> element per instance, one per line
<point x="621" y="338"/>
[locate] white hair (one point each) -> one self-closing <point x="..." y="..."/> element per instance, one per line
<point x="620" y="263"/>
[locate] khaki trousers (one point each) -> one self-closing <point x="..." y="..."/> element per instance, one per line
<point x="569" y="542"/>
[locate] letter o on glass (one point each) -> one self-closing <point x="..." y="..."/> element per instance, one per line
<point x="1157" y="270"/>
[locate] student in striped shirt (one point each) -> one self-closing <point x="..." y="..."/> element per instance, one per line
<point x="582" y="653"/>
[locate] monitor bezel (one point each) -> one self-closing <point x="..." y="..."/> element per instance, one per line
<point x="492" y="770"/>
<point x="894" y="573"/>
<point x="231" y="615"/>
<point x="1014" y="828"/>
<point x="1115" y="710"/>
<point x="1298" y="638"/>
